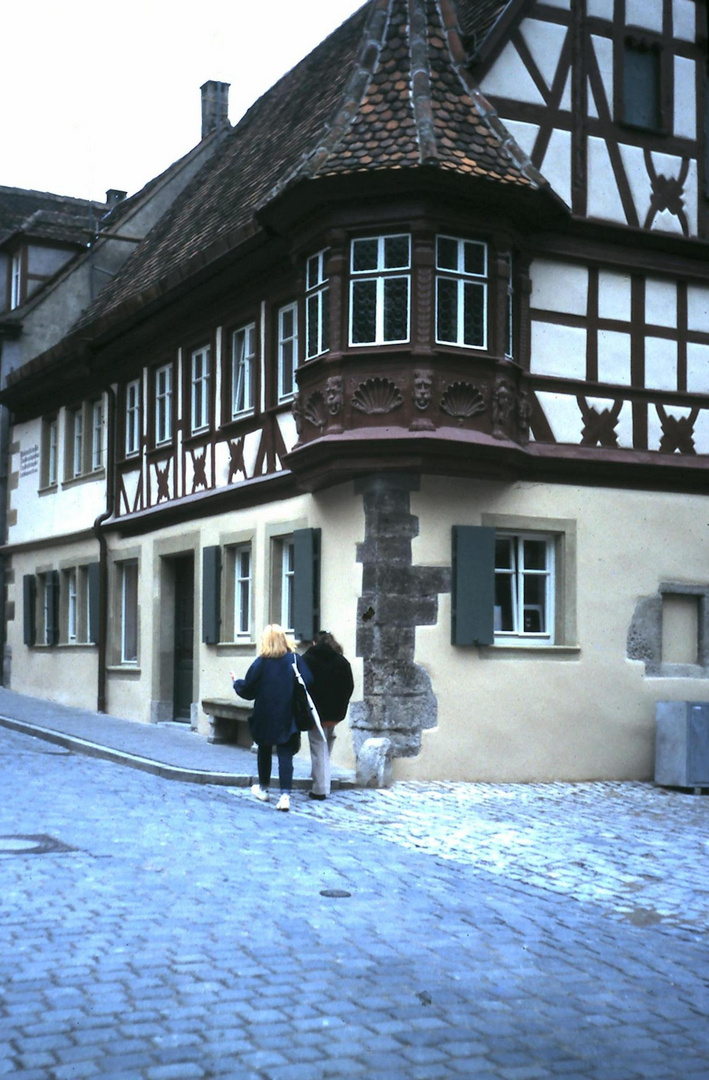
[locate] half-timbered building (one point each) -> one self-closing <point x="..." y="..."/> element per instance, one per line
<point x="421" y="356"/>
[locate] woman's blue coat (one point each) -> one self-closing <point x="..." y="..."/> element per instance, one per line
<point x="269" y="684"/>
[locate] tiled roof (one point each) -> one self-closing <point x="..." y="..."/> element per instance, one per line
<point x="46" y="216"/>
<point x="389" y="90"/>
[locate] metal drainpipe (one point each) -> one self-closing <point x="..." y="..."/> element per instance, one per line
<point x="103" y="551"/>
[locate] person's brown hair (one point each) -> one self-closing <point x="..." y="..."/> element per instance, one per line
<point x="324" y="637"/>
<point x="274" y="642"/>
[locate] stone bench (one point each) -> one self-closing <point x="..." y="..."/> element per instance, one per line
<point x="228" y="721"/>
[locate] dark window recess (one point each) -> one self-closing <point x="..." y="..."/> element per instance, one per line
<point x="641" y="86"/>
<point x="52" y="586"/>
<point x="211" y="594"/>
<point x="473" y="587"/>
<point x="29" y="601"/>
<point x="306" y="583"/>
<point x="93" y="579"/>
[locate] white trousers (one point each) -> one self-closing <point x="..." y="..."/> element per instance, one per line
<point x="320" y="750"/>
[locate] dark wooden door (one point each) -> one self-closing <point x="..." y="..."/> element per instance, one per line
<point x="184" y="636"/>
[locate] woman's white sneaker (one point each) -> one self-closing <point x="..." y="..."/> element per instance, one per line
<point x="283" y="803"/>
<point x="260" y="793"/>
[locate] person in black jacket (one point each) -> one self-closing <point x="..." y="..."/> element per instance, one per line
<point x="331" y="691"/>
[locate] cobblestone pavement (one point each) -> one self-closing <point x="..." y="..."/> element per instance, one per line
<point x="151" y="930"/>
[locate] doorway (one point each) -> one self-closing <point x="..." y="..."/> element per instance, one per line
<point x="183" y="647"/>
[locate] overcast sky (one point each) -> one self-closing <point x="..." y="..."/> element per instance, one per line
<point x="106" y="95"/>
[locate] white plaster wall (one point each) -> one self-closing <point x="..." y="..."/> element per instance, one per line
<point x="660" y="363"/>
<point x="556" y="167"/>
<point x="508" y="77"/>
<point x="69" y="508"/>
<point x="600" y="9"/>
<point x="64" y="673"/>
<point x="524" y="134"/>
<point x="660" y="302"/>
<point x="685" y="120"/>
<point x="684" y="18"/>
<point x="698" y="307"/>
<point x="586" y="714"/>
<point x="697" y="368"/>
<point x="602" y="197"/>
<point x="603" y="51"/>
<point x="614" y="295"/>
<point x="558" y="350"/>
<point x="545" y="41"/>
<point x="640" y="13"/>
<point x="614" y="357"/>
<point x="559" y="286"/>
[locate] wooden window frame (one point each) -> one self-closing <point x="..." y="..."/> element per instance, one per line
<point x="163" y="404"/>
<point x="132" y="417"/>
<point x="200" y="389"/>
<point x="287" y="342"/>
<point x="380" y="275"/>
<point x="245" y="362"/>
<point x="317" y="304"/>
<point x="461" y="278"/>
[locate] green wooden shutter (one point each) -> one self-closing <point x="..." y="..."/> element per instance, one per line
<point x="29" y="601"/>
<point x="211" y="594"/>
<point x="306" y="583"/>
<point x="473" y="593"/>
<point x="93" y="578"/>
<point x="52" y="586"/>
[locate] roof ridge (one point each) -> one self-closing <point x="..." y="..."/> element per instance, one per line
<point x="372" y="43"/>
<point x="421" y="82"/>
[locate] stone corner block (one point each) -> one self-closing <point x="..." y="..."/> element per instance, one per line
<point x="374" y="763"/>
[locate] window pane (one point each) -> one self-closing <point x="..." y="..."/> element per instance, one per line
<point x="311" y="272"/>
<point x="641" y="87"/>
<point x="447" y="253"/>
<point x="474" y="314"/>
<point x="325" y="320"/>
<point x="503" y="553"/>
<point x="312" y="312"/>
<point x="364" y="311"/>
<point x="535" y="555"/>
<point x="474" y="258"/>
<point x="447" y="310"/>
<point x="535" y="603"/>
<point x="396" y="252"/>
<point x="365" y="254"/>
<point x="504" y="603"/>
<point x="130" y="612"/>
<point x="286" y="368"/>
<point x="396" y="309"/>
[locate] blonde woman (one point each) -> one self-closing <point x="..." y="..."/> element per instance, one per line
<point x="269" y="684"/>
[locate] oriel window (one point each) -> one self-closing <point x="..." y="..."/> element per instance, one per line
<point x="461" y="292"/>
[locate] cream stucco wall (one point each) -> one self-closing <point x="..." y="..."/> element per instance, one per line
<point x="566" y="713"/>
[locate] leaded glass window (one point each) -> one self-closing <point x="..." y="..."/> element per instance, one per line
<point x="379" y="291"/>
<point x="461" y="292"/>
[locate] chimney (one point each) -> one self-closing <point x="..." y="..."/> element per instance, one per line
<point x="215" y="106"/>
<point x="114" y="196"/>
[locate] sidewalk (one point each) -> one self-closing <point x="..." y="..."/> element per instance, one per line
<point x="172" y="751"/>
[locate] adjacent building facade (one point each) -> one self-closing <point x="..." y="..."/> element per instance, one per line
<point x="421" y="356"/>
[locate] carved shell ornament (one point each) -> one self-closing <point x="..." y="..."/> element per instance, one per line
<point x="462" y="400"/>
<point x="315" y="411"/>
<point x="377" y="395"/>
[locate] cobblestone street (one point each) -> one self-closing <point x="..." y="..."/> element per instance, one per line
<point x="156" y="930"/>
